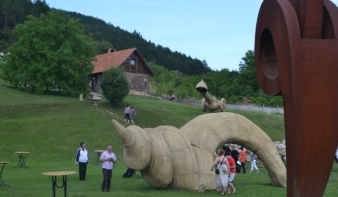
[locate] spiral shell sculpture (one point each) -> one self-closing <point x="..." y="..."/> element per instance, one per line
<point x="180" y="159"/>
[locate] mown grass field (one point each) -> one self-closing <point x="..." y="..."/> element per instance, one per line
<point x="51" y="128"/>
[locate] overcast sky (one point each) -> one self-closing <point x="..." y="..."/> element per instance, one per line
<point x="217" y="31"/>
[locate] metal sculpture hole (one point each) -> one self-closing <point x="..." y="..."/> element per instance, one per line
<point x="327" y="28"/>
<point x="268" y="56"/>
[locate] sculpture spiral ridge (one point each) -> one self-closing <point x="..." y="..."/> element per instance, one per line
<point x="181" y="158"/>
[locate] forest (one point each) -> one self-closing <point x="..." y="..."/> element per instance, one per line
<point x="13" y="12"/>
<point x="176" y="72"/>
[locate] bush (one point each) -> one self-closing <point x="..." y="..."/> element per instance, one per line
<point x="114" y="85"/>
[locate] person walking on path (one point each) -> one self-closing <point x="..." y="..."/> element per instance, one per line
<point x="127" y="114"/>
<point x="107" y="159"/>
<point x="232" y="169"/>
<point x="82" y="160"/>
<point x="222" y="178"/>
<point x="132" y="115"/>
<point x="234" y="155"/>
<point x="253" y="162"/>
<point x="242" y="159"/>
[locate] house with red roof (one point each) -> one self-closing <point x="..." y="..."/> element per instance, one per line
<point x="246" y="101"/>
<point x="131" y="61"/>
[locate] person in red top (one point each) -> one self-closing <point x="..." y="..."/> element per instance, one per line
<point x="242" y="159"/>
<point x="232" y="166"/>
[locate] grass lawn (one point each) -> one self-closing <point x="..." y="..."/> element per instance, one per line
<point x="51" y="128"/>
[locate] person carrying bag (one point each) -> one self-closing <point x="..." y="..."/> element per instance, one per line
<point x="220" y="166"/>
<point x="221" y="172"/>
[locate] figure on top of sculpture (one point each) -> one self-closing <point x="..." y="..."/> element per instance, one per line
<point x="209" y="102"/>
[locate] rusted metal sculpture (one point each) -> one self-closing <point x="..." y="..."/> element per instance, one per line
<point x="297" y="57"/>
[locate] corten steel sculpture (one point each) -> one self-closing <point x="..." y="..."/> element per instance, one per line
<point x="297" y="57"/>
<point x="181" y="158"/>
<point x="209" y="102"/>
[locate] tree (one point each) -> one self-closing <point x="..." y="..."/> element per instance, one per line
<point x="51" y="51"/>
<point x="249" y="61"/>
<point x="114" y="85"/>
<point x="247" y="71"/>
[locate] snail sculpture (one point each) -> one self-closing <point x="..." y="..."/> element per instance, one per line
<point x="180" y="159"/>
<point x="209" y="102"/>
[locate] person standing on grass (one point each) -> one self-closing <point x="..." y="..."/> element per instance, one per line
<point x="233" y="170"/>
<point x="242" y="159"/>
<point x="82" y="160"/>
<point x="127" y="114"/>
<point x="234" y="155"/>
<point x="221" y="178"/>
<point x="253" y="162"/>
<point x="132" y="115"/>
<point x="107" y="159"/>
<point x="90" y="85"/>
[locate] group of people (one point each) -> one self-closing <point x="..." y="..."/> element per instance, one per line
<point x="107" y="159"/>
<point x="229" y="162"/>
<point x="129" y="114"/>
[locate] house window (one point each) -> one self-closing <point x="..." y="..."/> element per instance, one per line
<point x="133" y="62"/>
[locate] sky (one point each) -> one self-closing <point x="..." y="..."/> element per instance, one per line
<point x="218" y="31"/>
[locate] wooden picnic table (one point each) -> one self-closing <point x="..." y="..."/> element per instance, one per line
<point x="3" y="166"/>
<point x="64" y="175"/>
<point x="22" y="159"/>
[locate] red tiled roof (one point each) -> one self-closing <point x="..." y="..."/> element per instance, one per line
<point x="246" y="100"/>
<point x="115" y="59"/>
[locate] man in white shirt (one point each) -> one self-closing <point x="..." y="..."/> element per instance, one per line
<point x="82" y="160"/>
<point x="107" y="159"/>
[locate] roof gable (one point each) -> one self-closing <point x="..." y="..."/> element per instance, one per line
<point x="115" y="59"/>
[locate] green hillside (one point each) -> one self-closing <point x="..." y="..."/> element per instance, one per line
<point x="51" y="128"/>
<point x="48" y="119"/>
<point x="105" y="34"/>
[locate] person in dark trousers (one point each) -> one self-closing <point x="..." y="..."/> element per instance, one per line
<point x="242" y="159"/>
<point x="127" y="114"/>
<point x="107" y="159"/>
<point x="234" y="155"/>
<point x="132" y="115"/>
<point x="82" y="160"/>
<point x="129" y="173"/>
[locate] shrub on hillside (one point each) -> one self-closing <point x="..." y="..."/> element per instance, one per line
<point x="114" y="85"/>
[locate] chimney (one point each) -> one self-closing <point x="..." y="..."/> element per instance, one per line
<point x="110" y="50"/>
